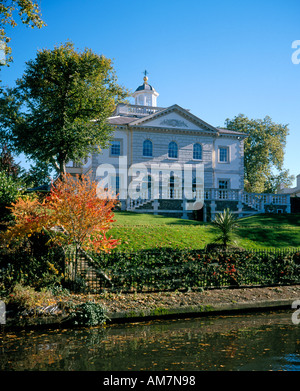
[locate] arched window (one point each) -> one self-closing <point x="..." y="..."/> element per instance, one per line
<point x="149" y="185"/>
<point x="172" y="186"/>
<point x="147" y="148"/>
<point x="146" y="187"/>
<point x="173" y="150"/>
<point x="197" y="152"/>
<point x="194" y="184"/>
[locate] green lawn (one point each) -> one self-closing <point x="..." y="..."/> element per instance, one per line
<point x="142" y="231"/>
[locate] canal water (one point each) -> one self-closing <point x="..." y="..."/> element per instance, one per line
<point x="261" y="341"/>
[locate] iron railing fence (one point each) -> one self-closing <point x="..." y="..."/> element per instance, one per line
<point x="170" y="269"/>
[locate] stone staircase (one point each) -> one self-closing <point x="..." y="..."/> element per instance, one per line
<point x="136" y="205"/>
<point x="87" y="271"/>
<point x="248" y="211"/>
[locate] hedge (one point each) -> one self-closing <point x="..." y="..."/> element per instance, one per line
<point x="170" y="269"/>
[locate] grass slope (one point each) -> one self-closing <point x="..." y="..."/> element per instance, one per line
<point x="142" y="231"/>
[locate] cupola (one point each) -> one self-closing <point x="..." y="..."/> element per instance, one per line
<point x="145" y="95"/>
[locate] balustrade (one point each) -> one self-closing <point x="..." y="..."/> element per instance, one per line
<point x="256" y="201"/>
<point x="137" y="110"/>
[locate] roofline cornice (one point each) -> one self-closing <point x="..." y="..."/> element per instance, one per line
<point x="157" y="129"/>
<point x="231" y="135"/>
<point x="190" y="117"/>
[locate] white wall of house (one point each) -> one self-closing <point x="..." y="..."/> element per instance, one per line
<point x="233" y="169"/>
<point x="161" y="140"/>
<point x="214" y="170"/>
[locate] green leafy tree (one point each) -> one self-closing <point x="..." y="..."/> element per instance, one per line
<point x="10" y="183"/>
<point x="9" y="192"/>
<point x="276" y="180"/>
<point x="65" y="97"/>
<point x="263" y="152"/>
<point x="9" y="116"/>
<point x="39" y="174"/>
<point x="8" y="164"/>
<point x="28" y="12"/>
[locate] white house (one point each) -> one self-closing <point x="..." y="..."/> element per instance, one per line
<point x="292" y="191"/>
<point x="168" y="161"/>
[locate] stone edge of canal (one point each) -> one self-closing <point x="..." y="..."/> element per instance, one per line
<point x="158" y="313"/>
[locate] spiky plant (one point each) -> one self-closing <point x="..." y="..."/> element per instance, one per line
<point x="226" y="223"/>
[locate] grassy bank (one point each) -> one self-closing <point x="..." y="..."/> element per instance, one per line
<point x="144" y="231"/>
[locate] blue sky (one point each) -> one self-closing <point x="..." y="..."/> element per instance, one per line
<point x="216" y="58"/>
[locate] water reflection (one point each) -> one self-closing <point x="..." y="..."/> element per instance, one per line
<point x="267" y="341"/>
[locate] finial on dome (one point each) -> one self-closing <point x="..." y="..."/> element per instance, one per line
<point x="145" y="77"/>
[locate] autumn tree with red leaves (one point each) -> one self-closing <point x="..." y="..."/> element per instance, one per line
<point x="83" y="212"/>
<point x="76" y="213"/>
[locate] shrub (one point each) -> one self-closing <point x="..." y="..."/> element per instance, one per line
<point x="31" y="263"/>
<point x="166" y="268"/>
<point x="225" y="222"/>
<point x="26" y="297"/>
<point x="88" y="314"/>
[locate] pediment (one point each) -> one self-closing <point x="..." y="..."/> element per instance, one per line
<point x="174" y="117"/>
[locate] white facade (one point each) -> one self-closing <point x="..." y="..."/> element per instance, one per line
<point x="172" y="137"/>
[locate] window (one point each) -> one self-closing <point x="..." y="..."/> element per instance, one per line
<point x="149" y="186"/>
<point x="148" y="101"/>
<point x="115" y="148"/>
<point x="223" y="184"/>
<point x="173" y="150"/>
<point x="115" y="184"/>
<point x="172" y="186"/>
<point x="145" y="188"/>
<point x="223" y="155"/>
<point x="194" y="185"/>
<point x="197" y="152"/>
<point x="147" y="148"/>
<point x="223" y="187"/>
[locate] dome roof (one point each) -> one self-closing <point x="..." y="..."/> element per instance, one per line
<point x="145" y="86"/>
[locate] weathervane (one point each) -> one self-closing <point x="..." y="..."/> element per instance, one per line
<point x="145" y="77"/>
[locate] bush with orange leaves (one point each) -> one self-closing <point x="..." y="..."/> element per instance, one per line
<point x="76" y="213"/>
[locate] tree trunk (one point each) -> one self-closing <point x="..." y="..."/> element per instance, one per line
<point x="62" y="168"/>
<point x="75" y="264"/>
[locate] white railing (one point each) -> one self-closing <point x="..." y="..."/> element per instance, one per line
<point x="142" y="200"/>
<point x="174" y="194"/>
<point x="256" y="201"/>
<point x="217" y="194"/>
<point x="137" y="110"/>
<point x="225" y="194"/>
<point x="253" y="200"/>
